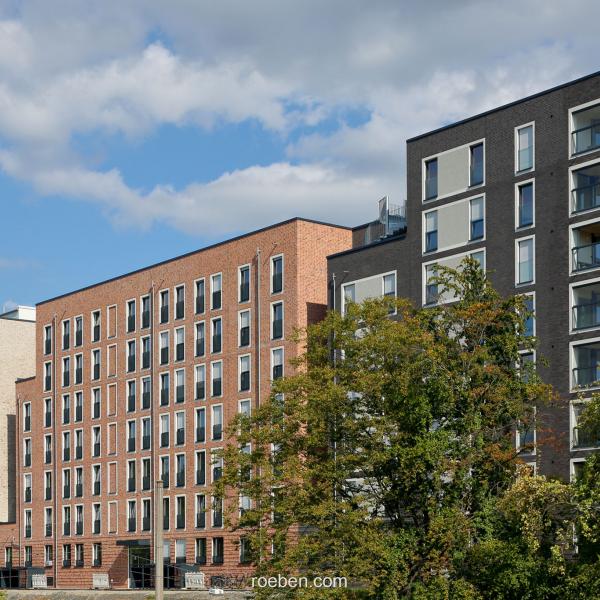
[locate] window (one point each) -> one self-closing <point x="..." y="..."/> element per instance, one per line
<point x="78" y="331"/>
<point x="164" y="430"/>
<point x="146" y="433"/>
<point x="525" y="204"/>
<point x="244" y="373"/>
<point x="277" y="320"/>
<point x="277" y="363"/>
<point x="48" y="485"/>
<point x="79" y="555"/>
<point x="95" y="364"/>
<point x="66" y="335"/>
<point x="217" y="551"/>
<point x="131" y="515"/>
<point x="96" y="518"/>
<point x="525" y="434"/>
<point x="96" y="441"/>
<point x="524" y="148"/>
<point x="164" y="347"/>
<point x="27" y="416"/>
<point x="199" y="296"/>
<point x="66" y="411"/>
<point x="79" y="482"/>
<point x="200" y="551"/>
<point x="145" y="312"/>
<point x="431" y="231"/>
<point x="276" y="274"/>
<point x="180" y="428"/>
<point x="66" y="483"/>
<point x="179" y="302"/>
<point x="529" y="330"/>
<point x="28" y="551"/>
<point x="200" y="377"/>
<point x="8" y="556"/>
<point x="79" y="444"/>
<point x="130" y="356"/>
<point x="215" y="288"/>
<point x="180" y="470"/>
<point x="48" y="448"/>
<point x="48" y="522"/>
<point x="131" y="396"/>
<point x="131" y="436"/>
<point x="130" y="316"/>
<point x="200" y="339"/>
<point x="477" y="166"/>
<point x="48" y="555"/>
<point x="180" y="512"/>
<point x="78" y="368"/>
<point x="216" y="340"/>
<point x="27" y="520"/>
<point x="66" y="520"/>
<point x="245" y="407"/>
<point x="27" y="452"/>
<point x="79" y="519"/>
<point x="348" y="295"/>
<point x="96" y="326"/>
<point x="431" y="179"/>
<point x="179" y="344"/>
<point x="217" y="422"/>
<point x="244" y="276"/>
<point x="217" y="467"/>
<point x="217" y="513"/>
<point x="146" y="477"/>
<point x="47" y="412"/>
<point x="431" y="287"/>
<point x="78" y="406"/>
<point x="166" y="519"/>
<point x="96" y="403"/>
<point x="180" y="551"/>
<point x="164" y="389"/>
<point x="164" y="472"/>
<point x="48" y="339"/>
<point x="131" y="476"/>
<point x="66" y="446"/>
<point x="477" y="222"/>
<point x="96" y="555"/>
<point x="66" y="371"/>
<point x="66" y="552"/>
<point x="525" y="261"/>
<point x="244" y="324"/>
<point x="47" y="376"/>
<point x="146" y="515"/>
<point x="201" y="467"/>
<point x="245" y="553"/>
<point x="217" y="376"/>
<point x="27" y="487"/>
<point x="146" y="392"/>
<point x="164" y="306"/>
<point x="200" y="425"/>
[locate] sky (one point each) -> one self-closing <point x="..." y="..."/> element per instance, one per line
<point x="132" y="131"/>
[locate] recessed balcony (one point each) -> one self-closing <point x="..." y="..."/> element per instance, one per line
<point x="585" y="192"/>
<point x="585" y="250"/>
<point x="586" y="365"/>
<point x="586" y="306"/>
<point x="586" y="130"/>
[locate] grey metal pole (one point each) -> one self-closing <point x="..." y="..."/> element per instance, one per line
<point x="158" y="540"/>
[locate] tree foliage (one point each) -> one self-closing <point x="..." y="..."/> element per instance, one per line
<point x="389" y="458"/>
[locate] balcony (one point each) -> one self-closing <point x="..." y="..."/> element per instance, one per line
<point x="245" y="336"/>
<point x="180" y="351"/>
<point x="145" y="319"/>
<point x="586" y="130"/>
<point x="146" y="359"/>
<point x="179" y="309"/>
<point x="585" y="193"/>
<point x="96" y="526"/>
<point x="586" y="306"/>
<point x="201" y="476"/>
<point x="145" y="400"/>
<point x="164" y="313"/>
<point x="200" y="434"/>
<point x="164" y="439"/>
<point x="584" y="439"/>
<point x="200" y="390"/>
<point x="180" y="436"/>
<point x="130" y="323"/>
<point x="180" y="393"/>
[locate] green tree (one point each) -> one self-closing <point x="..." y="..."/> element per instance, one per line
<point x="383" y="458"/>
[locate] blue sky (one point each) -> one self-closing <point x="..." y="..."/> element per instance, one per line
<point x="137" y="130"/>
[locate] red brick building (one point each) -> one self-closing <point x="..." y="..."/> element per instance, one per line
<point x="136" y="379"/>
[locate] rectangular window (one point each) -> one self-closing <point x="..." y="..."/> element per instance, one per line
<point x="27" y="520"/>
<point x="200" y="425"/>
<point x="96" y="518"/>
<point x="525" y="261"/>
<point x="79" y="444"/>
<point x="78" y="331"/>
<point x="164" y="347"/>
<point x="79" y="555"/>
<point x="218" y="550"/>
<point x="179" y="386"/>
<point x="131" y="515"/>
<point x="66" y="520"/>
<point x="66" y="411"/>
<point x="166" y="522"/>
<point x="529" y="315"/>
<point x="96" y="441"/>
<point x="217" y="422"/>
<point x="146" y="433"/>
<point x="525" y="204"/>
<point x="244" y="373"/>
<point x="78" y="369"/>
<point x="217" y="378"/>
<point x="180" y="470"/>
<point x="96" y="326"/>
<point x="244" y="324"/>
<point x="66" y="370"/>
<point x="164" y="306"/>
<point x="66" y="483"/>
<point x="476" y="172"/>
<point x="66" y="446"/>
<point x="477" y="224"/>
<point x="431" y="179"/>
<point x="277" y="321"/>
<point x="244" y="279"/>
<point x="146" y="476"/>
<point x="78" y="406"/>
<point x="180" y="512"/>
<point x="47" y="376"/>
<point x="431" y="231"/>
<point x="165" y="472"/>
<point x="276" y="274"/>
<point x="130" y="316"/>
<point x="27" y="416"/>
<point x="130" y="356"/>
<point x="200" y="342"/>
<point x="131" y="393"/>
<point x="164" y="389"/>
<point x="524" y="148"/>
<point x="66" y="552"/>
<point x="48" y="448"/>
<point x="95" y="364"/>
<point x="66" y="335"/>
<point x="48" y="339"/>
<point x="200" y="551"/>
<point x="48" y="485"/>
<point x="164" y="431"/>
<point x="179" y="302"/>
<point x="431" y="287"/>
<point x="145" y="312"/>
<point x="276" y="363"/>
<point x="245" y="407"/>
<point x="131" y="436"/>
<point x="27" y="452"/>
<point x="201" y="467"/>
<point x="199" y="296"/>
<point x="200" y="381"/>
<point x="180" y="428"/>
<point x="96" y="555"/>
<point x="146" y="515"/>
<point x="179" y="344"/>
<point x="131" y="476"/>
<point x="146" y="392"/>
<point x="215" y="288"/>
<point x="216" y="339"/>
<point x="96" y="403"/>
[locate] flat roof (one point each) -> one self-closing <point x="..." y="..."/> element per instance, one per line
<point x="210" y="247"/>
<point x="387" y="240"/>
<point x="503" y="107"/>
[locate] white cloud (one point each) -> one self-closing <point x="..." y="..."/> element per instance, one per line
<point x="68" y="69"/>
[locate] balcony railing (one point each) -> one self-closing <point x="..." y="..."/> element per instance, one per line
<point x="217" y="519"/>
<point x="146" y="359"/>
<point x="130" y="323"/>
<point x="216" y="300"/>
<point x="180" y="436"/>
<point x="28" y="494"/>
<point x="146" y="523"/>
<point x="180" y="521"/>
<point x="200" y="434"/>
<point x="164" y="439"/>
<point x="145" y="442"/>
<point x="586" y="197"/>
<point x="146" y="400"/>
<point x="164" y="313"/>
<point x="586" y="315"/>
<point x="180" y="351"/>
<point x="145" y="319"/>
<point x="245" y="381"/>
<point x="179" y="393"/>
<point x="200" y="390"/>
<point x="245" y="336"/>
<point x="79" y="528"/>
<point x="66" y="562"/>
<point x="583" y="438"/>
<point x="179" y="309"/>
<point x="96" y="526"/>
<point x="586" y="376"/>
<point x="586" y="257"/>
<point x="586" y="138"/>
<point x="201" y="476"/>
<point x="199" y="304"/>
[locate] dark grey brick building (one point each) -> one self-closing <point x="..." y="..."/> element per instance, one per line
<point x="518" y="188"/>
